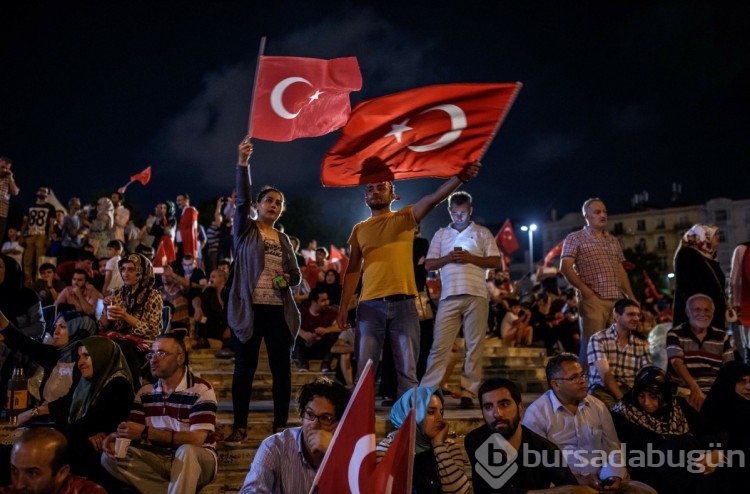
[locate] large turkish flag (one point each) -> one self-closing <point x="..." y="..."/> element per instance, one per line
<point x="433" y="131"/>
<point x="349" y="463"/>
<point x="302" y="97"/>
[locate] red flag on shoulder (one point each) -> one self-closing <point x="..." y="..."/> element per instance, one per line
<point x="506" y="239"/>
<point x="142" y="177"/>
<point x="432" y="131"/>
<point x="394" y="472"/>
<point x="349" y="463"/>
<point x="302" y="97"/>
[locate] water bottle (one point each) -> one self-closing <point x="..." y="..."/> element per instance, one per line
<point x="18" y="394"/>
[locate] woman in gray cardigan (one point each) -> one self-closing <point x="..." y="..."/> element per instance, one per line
<point x="261" y="305"/>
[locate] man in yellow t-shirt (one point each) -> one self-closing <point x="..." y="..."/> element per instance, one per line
<point x="381" y="247"/>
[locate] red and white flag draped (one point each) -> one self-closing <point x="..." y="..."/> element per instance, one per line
<point x="349" y="466"/>
<point x="433" y="131"/>
<point x="302" y="97"/>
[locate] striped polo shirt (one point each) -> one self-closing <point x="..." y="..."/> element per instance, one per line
<point x="703" y="359"/>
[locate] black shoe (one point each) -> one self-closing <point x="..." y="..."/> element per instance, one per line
<point x="466" y="403"/>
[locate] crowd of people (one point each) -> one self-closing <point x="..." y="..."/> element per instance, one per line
<point x="106" y="312"/>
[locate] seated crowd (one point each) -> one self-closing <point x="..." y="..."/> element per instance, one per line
<point x="106" y="327"/>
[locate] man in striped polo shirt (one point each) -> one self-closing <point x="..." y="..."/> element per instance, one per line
<point x="171" y="423"/>
<point x="696" y="350"/>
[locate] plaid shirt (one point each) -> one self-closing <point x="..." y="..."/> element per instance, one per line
<point x="624" y="363"/>
<point x="4" y="197"/>
<point x="597" y="261"/>
<point x="703" y="359"/>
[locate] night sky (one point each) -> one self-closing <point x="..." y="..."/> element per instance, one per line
<point x="618" y="97"/>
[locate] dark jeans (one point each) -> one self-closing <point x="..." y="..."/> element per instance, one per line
<point x="320" y="350"/>
<point x="268" y="325"/>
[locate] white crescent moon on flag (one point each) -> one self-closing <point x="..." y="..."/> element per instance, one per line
<point x="458" y="123"/>
<point x="278" y="93"/>
<point x="365" y="445"/>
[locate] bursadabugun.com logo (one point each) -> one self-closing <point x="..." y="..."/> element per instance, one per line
<point x="497" y="460"/>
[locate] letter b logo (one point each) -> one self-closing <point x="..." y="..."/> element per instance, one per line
<point x="496" y="461"/>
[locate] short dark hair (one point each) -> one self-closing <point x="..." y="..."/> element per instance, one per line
<point x="459" y="198"/>
<point x="81" y="271"/>
<point x="48" y="437"/>
<point x="85" y="255"/>
<point x="185" y="195"/>
<point x="115" y="244"/>
<point x="179" y="338"/>
<point x="119" y="194"/>
<point x="45" y="266"/>
<point x="224" y="261"/>
<point x="554" y="365"/>
<point x="314" y="294"/>
<point x="623" y="304"/>
<point x="6" y="159"/>
<point x="497" y="383"/>
<point x="333" y="391"/>
<point x="512" y="302"/>
<point x="323" y="250"/>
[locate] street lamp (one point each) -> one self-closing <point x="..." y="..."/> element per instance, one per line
<point x="531" y="229"/>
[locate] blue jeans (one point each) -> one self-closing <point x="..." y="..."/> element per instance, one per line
<point x="400" y="322"/>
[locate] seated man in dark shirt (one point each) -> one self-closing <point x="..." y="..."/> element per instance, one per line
<point x="318" y="331"/>
<point x="506" y="456"/>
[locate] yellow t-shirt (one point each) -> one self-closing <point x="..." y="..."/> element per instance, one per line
<point x="386" y="245"/>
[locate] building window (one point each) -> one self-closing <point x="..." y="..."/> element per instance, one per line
<point x="641" y="225"/>
<point x="722" y="236"/>
<point x="642" y="245"/>
<point x="663" y="262"/>
<point x="660" y="224"/>
<point x="661" y="243"/>
<point x="618" y="228"/>
<point x="720" y="216"/>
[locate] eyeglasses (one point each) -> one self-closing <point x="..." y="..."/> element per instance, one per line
<point x="159" y="354"/>
<point x="573" y="378"/>
<point x="325" y="419"/>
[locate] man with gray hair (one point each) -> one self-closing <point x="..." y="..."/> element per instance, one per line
<point x="592" y="262"/>
<point x="697" y="351"/>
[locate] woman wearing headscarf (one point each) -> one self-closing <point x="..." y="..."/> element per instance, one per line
<point x="261" y="305"/>
<point x="332" y="285"/>
<point x="439" y="466"/>
<point x="651" y="417"/>
<point x="728" y="404"/>
<point x="134" y="311"/>
<point x="696" y="270"/>
<point x="56" y="356"/>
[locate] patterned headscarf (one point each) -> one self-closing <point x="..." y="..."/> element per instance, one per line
<point x="135" y="297"/>
<point x="107" y="362"/>
<point x="668" y="419"/>
<point x="79" y="326"/>
<point x="699" y="237"/>
<point x="402" y="406"/>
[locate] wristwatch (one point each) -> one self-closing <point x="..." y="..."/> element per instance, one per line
<point x="144" y="434"/>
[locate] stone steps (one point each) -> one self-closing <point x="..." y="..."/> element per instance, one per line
<point x="523" y="365"/>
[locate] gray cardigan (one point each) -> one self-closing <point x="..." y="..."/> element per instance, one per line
<point x="249" y="260"/>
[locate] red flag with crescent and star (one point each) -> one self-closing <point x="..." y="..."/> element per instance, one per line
<point x="506" y="239"/>
<point x="142" y="177"/>
<point x="302" y="97"/>
<point x="433" y="131"/>
<point x="394" y="472"/>
<point x="349" y="463"/>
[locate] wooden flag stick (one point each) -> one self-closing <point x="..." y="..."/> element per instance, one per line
<point x="261" y="50"/>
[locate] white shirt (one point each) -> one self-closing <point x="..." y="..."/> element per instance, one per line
<point x="463" y="279"/>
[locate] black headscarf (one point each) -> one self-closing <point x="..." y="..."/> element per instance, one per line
<point x="723" y="405"/>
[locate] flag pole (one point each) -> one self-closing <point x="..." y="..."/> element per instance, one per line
<point x="121" y="190"/>
<point x="261" y="50"/>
